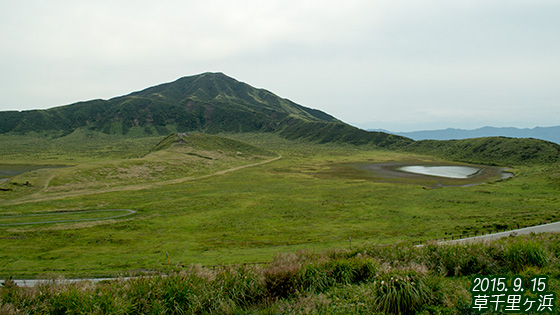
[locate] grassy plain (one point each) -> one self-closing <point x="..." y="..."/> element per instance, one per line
<point x="191" y="209"/>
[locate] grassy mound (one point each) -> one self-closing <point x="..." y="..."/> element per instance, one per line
<point x="200" y="141"/>
<point x="94" y="164"/>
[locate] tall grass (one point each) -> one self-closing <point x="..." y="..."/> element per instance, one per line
<point x="401" y="292"/>
<point x="529" y="254"/>
<point x="364" y="280"/>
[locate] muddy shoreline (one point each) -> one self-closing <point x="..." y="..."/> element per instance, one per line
<point x="390" y="172"/>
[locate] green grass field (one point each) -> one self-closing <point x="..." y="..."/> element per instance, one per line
<point x="202" y="204"/>
<point x="372" y="279"/>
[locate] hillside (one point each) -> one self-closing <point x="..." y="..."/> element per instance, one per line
<point x="209" y="102"/>
<point x="491" y="150"/>
<point x="208" y="143"/>
<point x="544" y="133"/>
<point x="215" y="103"/>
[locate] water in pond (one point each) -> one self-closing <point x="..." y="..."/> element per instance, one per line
<point x="8" y="170"/>
<point x="442" y="171"/>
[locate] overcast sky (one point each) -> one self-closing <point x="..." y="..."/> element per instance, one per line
<point x="400" y="65"/>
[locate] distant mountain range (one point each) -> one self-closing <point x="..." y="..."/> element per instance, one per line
<point x="551" y="134"/>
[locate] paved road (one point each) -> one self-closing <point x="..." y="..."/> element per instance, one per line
<point x="550" y="227"/>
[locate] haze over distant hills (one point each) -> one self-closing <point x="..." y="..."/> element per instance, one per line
<point x="551" y="134"/>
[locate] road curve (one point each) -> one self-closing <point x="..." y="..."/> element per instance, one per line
<point x="544" y="228"/>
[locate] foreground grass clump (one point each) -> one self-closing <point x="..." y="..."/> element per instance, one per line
<point x="401" y="292"/>
<point x="398" y="279"/>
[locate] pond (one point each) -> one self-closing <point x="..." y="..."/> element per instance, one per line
<point x="425" y="173"/>
<point x="11" y="170"/>
<point x="442" y="171"/>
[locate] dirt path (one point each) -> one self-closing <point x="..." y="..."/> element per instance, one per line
<point x="37" y="197"/>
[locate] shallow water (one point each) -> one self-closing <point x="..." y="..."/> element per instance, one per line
<point x="442" y="171"/>
<point x="9" y="170"/>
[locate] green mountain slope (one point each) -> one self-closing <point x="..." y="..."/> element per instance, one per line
<point x="209" y="102"/>
<point x="492" y="150"/>
<point x="215" y="103"/>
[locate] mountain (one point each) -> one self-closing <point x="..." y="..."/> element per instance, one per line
<point x="209" y="102"/>
<point x="544" y="133"/>
<point x="215" y="103"/>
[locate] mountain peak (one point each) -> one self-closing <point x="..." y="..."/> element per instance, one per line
<point x="207" y="76"/>
<point x="210" y="101"/>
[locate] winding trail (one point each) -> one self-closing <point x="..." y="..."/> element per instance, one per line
<point x="36" y="197"/>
